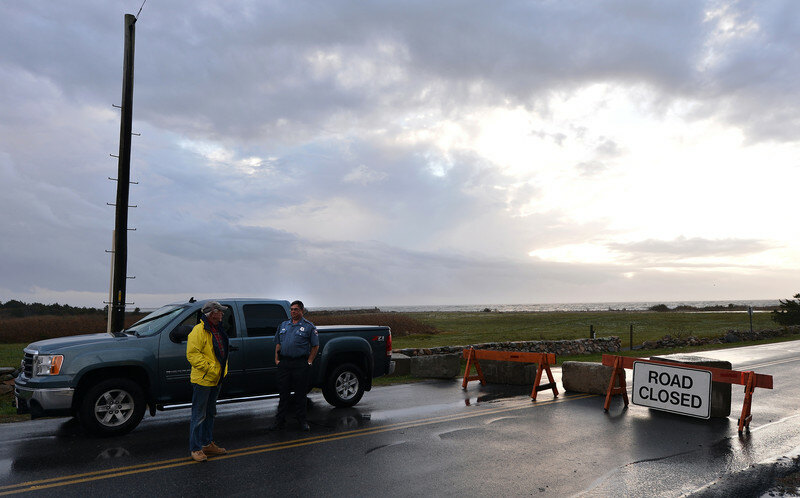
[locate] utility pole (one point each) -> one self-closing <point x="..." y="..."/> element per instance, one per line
<point x="120" y="265"/>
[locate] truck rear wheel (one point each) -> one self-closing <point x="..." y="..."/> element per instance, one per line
<point x="112" y="407"/>
<point x="344" y="386"/>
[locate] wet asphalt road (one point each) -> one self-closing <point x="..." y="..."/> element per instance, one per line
<point x="430" y="438"/>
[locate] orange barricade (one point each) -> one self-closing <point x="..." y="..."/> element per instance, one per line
<point x="749" y="379"/>
<point x="543" y="360"/>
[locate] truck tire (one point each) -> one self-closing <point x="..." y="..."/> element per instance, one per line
<point x="112" y="407"/>
<point x="344" y="386"/>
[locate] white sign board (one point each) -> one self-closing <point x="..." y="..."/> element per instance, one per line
<point x="673" y="389"/>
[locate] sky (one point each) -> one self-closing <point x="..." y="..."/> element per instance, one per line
<point x="352" y="153"/>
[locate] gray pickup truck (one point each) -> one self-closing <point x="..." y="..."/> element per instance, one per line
<point x="108" y="381"/>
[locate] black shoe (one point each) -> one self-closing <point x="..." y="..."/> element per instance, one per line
<point x="276" y="426"/>
<point x="304" y="427"/>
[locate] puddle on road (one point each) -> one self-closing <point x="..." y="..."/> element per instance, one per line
<point x="498" y="393"/>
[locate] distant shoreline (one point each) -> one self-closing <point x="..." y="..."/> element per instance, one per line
<point x="760" y="305"/>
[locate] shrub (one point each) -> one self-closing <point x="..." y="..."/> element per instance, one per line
<point x="788" y="313"/>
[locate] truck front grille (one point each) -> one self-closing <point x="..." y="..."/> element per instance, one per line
<point x="27" y="365"/>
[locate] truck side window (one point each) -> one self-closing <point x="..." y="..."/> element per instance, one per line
<point x="228" y="324"/>
<point x="181" y="331"/>
<point x="263" y="319"/>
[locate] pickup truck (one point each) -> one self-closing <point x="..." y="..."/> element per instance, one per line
<point x="107" y="381"/>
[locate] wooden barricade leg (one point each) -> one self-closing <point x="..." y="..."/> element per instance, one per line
<point x="744" y="419"/>
<point x="551" y="379"/>
<point x="618" y="373"/>
<point x="543" y="367"/>
<point x="470" y="354"/>
<point x="472" y="359"/>
<point x="480" y="372"/>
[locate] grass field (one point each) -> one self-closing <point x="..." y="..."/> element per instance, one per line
<point x="473" y="328"/>
<point x="418" y="330"/>
<point x="35" y="328"/>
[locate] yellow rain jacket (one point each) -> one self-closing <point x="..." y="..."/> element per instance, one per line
<point x="206" y="368"/>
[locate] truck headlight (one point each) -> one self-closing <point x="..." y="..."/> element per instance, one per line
<point x="47" y="364"/>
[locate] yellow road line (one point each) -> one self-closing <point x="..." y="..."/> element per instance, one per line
<point x="264" y="448"/>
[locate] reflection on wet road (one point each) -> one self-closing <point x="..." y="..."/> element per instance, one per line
<point x="346" y="425"/>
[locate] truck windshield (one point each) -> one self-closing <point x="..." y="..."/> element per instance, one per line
<point x="155" y="321"/>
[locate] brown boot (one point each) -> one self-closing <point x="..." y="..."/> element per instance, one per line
<point x="199" y="456"/>
<point x="212" y="449"/>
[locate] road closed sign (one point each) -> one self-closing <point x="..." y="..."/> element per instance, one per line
<point x="673" y="389"/>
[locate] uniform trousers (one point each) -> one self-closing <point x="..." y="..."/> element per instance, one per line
<point x="293" y="375"/>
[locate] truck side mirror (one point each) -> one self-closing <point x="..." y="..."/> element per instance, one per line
<point x="180" y="333"/>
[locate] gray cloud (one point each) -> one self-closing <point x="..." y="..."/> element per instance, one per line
<point x="695" y="247"/>
<point x="313" y="192"/>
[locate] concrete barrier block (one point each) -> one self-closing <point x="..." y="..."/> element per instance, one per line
<point x="585" y="377"/>
<point x="720" y="391"/>
<point x="508" y="372"/>
<point x="402" y="364"/>
<point x="436" y="366"/>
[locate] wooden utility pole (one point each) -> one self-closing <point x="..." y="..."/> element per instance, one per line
<point x="120" y="266"/>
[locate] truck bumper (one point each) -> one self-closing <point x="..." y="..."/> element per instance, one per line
<point x="44" y="402"/>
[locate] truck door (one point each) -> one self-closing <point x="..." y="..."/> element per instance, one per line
<point x="174" y="369"/>
<point x="261" y="322"/>
<point x="233" y="385"/>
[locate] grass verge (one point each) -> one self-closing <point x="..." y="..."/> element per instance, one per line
<point x="10" y="356"/>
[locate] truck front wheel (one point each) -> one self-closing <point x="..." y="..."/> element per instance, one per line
<point x="112" y="407"/>
<point x="344" y="386"/>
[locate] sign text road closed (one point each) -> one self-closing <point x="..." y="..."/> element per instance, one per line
<point x="673" y="389"/>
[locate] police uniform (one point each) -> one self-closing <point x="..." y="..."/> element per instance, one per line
<point x="296" y="341"/>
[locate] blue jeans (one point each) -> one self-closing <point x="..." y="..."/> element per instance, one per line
<point x="204" y="409"/>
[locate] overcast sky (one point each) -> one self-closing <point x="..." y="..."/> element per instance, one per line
<point x="354" y="153"/>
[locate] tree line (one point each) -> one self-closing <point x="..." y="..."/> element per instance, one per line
<point x="19" y="309"/>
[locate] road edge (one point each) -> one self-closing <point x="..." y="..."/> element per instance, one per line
<point x="752" y="481"/>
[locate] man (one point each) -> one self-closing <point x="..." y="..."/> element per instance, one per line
<point x="207" y="352"/>
<point x="296" y="345"/>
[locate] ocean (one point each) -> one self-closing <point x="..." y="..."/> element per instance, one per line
<point x="603" y="306"/>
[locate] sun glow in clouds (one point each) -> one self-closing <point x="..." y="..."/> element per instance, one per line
<point x="221" y="157"/>
<point x="577" y="253"/>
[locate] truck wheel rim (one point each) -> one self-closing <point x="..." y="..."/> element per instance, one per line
<point x="346" y="385"/>
<point x="114" y="407"/>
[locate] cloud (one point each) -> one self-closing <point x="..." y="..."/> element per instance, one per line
<point x="364" y="176"/>
<point x="404" y="153"/>
<point x="694" y="247"/>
